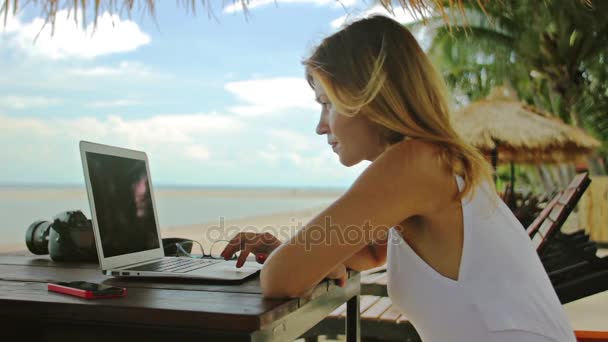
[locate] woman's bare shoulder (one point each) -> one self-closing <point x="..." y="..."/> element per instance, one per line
<point x="419" y="157"/>
<point x="423" y="148"/>
<point x="409" y="170"/>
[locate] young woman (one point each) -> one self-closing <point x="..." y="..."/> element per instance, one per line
<point x="460" y="266"/>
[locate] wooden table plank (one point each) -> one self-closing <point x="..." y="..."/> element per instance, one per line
<point x="382" y="280"/>
<point x="178" y="305"/>
<point x="41" y="260"/>
<point x="376" y="310"/>
<point x="392" y="314"/>
<point x="364" y="304"/>
<point x="176" y="308"/>
<point x="338" y="312"/>
<point x="311" y="313"/>
<point x="402" y="319"/>
<point x="373" y="270"/>
<point x="371" y="278"/>
<point x="320" y="290"/>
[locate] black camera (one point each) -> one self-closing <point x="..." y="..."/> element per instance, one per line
<point x="69" y="237"/>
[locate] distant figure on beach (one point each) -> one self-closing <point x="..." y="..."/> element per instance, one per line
<point x="460" y="266"/>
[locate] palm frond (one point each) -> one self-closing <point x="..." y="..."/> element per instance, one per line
<point x="480" y="38"/>
<point x="418" y="8"/>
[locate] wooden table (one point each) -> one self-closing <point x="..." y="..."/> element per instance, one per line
<point x="157" y="309"/>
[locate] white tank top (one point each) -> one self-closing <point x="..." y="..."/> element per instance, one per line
<point x="502" y="292"/>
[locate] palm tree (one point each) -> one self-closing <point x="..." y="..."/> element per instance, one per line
<point x="554" y="53"/>
<point x="550" y="51"/>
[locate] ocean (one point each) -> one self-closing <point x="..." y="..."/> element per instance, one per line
<point x="21" y="206"/>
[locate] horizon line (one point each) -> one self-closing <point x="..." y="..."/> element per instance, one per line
<point x="168" y="185"/>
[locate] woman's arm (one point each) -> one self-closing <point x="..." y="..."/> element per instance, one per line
<point x="404" y="181"/>
<point x="370" y="256"/>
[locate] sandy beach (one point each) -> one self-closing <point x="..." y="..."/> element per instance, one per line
<point x="281" y="225"/>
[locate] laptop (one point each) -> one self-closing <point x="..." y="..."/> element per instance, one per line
<point x="125" y="221"/>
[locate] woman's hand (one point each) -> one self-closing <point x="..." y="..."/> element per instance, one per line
<point x="260" y="244"/>
<point x="339" y="274"/>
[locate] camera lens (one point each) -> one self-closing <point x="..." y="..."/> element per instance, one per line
<point x="37" y="237"/>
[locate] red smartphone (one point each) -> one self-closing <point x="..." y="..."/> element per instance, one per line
<point x="87" y="290"/>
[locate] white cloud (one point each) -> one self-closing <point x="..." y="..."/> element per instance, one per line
<point x="272" y="95"/>
<point x="347" y="3"/>
<point x="23" y="126"/>
<point x="197" y="152"/>
<point x="270" y="154"/>
<point x="168" y="135"/>
<point x="124" y="68"/>
<point x="12" y="24"/>
<point x="339" y="22"/>
<point x="114" y="103"/>
<point x="24" y="102"/>
<point x="306" y="152"/>
<point x="177" y="129"/>
<point x="295" y="140"/>
<point x="184" y="149"/>
<point x="238" y="7"/>
<point x="71" y="40"/>
<point x="401" y="15"/>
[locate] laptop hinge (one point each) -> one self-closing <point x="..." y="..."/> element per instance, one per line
<point x="139" y="263"/>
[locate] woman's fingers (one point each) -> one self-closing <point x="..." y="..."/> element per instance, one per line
<point x="342" y="280"/>
<point x="243" y="256"/>
<point x="261" y="257"/>
<point x="339" y="274"/>
<point x="260" y="244"/>
<point x="233" y="246"/>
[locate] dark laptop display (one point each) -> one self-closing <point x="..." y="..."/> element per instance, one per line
<point x="123" y="204"/>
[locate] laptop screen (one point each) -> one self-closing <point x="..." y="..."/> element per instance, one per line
<point x="123" y="204"/>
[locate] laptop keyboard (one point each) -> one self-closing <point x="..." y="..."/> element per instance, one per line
<point x="175" y="265"/>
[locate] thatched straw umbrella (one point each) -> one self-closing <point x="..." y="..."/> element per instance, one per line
<point x="508" y="130"/>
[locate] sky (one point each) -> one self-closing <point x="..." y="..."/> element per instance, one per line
<point x="215" y="100"/>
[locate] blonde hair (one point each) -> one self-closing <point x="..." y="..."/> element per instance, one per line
<point x="375" y="67"/>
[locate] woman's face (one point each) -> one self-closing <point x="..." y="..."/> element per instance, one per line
<point x="353" y="138"/>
